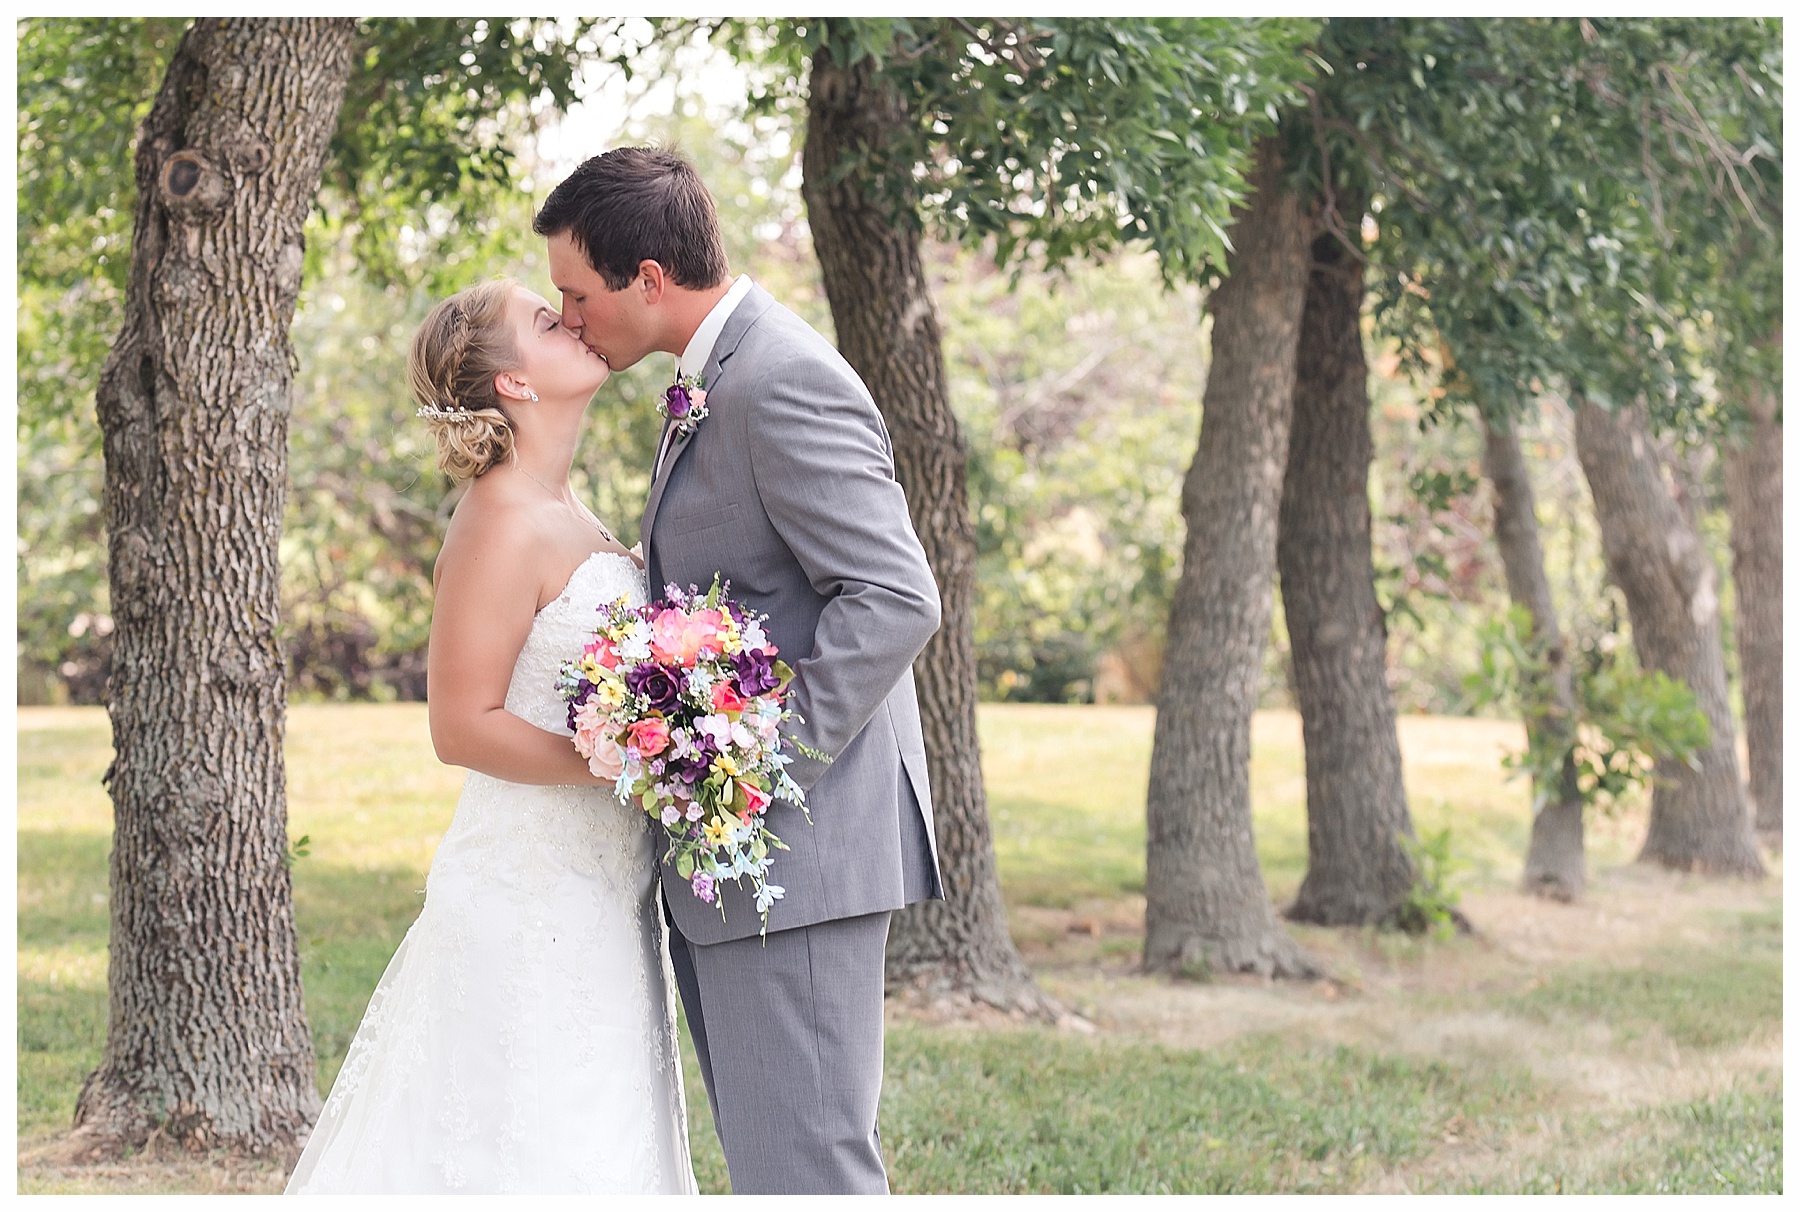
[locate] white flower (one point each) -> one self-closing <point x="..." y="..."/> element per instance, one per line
<point x="754" y="637"/>
<point x="718" y="727"/>
<point x="741" y="736"/>
<point x="635" y="644"/>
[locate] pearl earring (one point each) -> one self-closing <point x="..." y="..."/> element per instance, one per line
<point x="531" y="395"/>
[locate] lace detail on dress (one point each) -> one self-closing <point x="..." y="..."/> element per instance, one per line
<point x="523" y="1036"/>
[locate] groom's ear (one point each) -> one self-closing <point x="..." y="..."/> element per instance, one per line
<point x="653" y="279"/>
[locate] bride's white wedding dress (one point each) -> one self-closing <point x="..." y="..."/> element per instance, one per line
<point x="523" y="1036"/>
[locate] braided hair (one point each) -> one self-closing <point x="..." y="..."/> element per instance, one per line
<point x="456" y="353"/>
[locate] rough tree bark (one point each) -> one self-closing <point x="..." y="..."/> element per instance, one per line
<point x="1207" y="907"/>
<point x="1753" y="496"/>
<point x="206" y="1032"/>
<point x="1358" y="871"/>
<point x="887" y="328"/>
<point x="1698" y="819"/>
<point x="1556" y="863"/>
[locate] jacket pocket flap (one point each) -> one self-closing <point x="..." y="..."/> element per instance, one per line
<point x="707" y="519"/>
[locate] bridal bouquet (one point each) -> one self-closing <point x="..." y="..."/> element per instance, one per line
<point x="678" y="702"/>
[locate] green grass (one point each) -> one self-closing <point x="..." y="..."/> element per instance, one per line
<point x="1729" y="1144"/>
<point x="1028" y="1111"/>
<point x="970" y="1110"/>
<point x="1699" y="997"/>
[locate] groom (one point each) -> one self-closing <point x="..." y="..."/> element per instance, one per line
<point x="786" y="489"/>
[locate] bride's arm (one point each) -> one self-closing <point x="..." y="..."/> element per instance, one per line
<point x="487" y="590"/>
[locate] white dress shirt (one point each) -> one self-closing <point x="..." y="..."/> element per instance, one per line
<point x="699" y="349"/>
<point x="700" y="345"/>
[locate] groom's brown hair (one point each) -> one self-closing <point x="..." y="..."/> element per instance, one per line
<point x="636" y="204"/>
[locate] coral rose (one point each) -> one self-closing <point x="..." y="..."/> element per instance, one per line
<point x="648" y="737"/>
<point x="726" y="698"/>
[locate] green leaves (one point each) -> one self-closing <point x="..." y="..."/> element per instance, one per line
<point x="1591" y="203"/>
<point x="1430" y="903"/>
<point x="424" y="151"/>
<point x="1627" y="719"/>
<point x="1049" y="138"/>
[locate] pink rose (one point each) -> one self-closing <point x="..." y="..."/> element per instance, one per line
<point x="607" y="760"/>
<point x="592" y="725"/>
<point x="755" y="799"/>
<point x="605" y="655"/>
<point x="677" y="639"/>
<point x="648" y="737"/>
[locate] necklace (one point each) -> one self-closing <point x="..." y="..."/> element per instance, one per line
<point x="583" y="513"/>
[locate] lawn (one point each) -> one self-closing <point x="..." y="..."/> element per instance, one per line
<point x="1631" y="1043"/>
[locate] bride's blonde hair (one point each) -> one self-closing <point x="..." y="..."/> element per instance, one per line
<point x="456" y="353"/>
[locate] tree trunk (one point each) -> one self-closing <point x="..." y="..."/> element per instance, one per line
<point x="1753" y="495"/>
<point x="1698" y="819"/>
<point x="887" y="328"/>
<point x="1207" y="906"/>
<point x="1556" y="864"/>
<point x="1358" y="871"/>
<point x="206" y="1033"/>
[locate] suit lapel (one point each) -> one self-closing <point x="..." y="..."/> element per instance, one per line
<point x="748" y="312"/>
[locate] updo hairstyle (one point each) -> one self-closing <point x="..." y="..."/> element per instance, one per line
<point x="461" y="346"/>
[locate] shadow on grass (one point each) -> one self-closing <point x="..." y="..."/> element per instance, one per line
<point x="350" y="921"/>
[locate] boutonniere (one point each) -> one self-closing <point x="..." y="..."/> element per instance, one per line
<point x="684" y="404"/>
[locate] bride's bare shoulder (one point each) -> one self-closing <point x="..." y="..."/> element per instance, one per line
<point x="493" y="533"/>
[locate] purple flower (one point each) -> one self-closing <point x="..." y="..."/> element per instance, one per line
<point x="678" y="401"/>
<point x="662" y="687"/>
<point x="755" y="673"/>
<point x="582" y="691"/>
<point x="703" y="886"/>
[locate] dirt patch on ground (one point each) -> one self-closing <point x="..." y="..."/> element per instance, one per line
<point x="158" y="1169"/>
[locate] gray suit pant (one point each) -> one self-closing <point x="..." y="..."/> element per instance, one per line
<point x="789" y="1032"/>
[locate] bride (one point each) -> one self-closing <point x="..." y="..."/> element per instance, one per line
<point x="523" y="1037"/>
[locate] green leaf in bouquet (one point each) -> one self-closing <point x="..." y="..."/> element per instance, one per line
<point x="684" y="865"/>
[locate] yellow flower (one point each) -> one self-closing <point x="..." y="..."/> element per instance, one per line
<point x="716" y="832"/>
<point x="608" y="692"/>
<point x="724" y="765"/>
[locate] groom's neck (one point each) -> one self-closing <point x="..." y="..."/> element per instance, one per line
<point x="687" y="308"/>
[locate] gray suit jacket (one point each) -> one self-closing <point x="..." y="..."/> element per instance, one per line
<point x="787" y="490"/>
